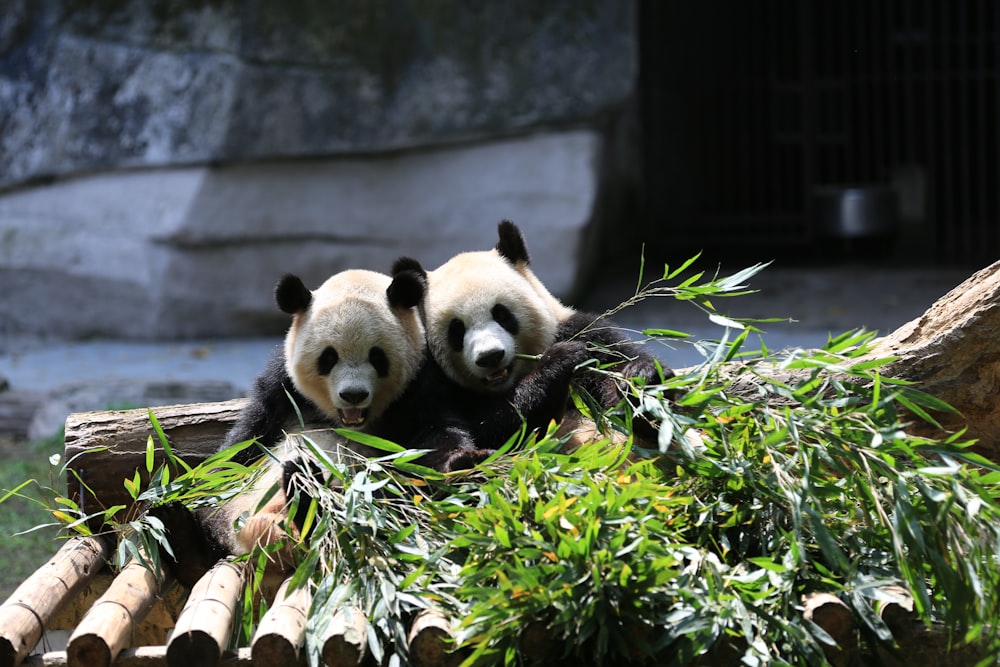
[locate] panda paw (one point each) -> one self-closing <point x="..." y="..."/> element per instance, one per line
<point x="564" y="356"/>
<point x="192" y="556"/>
<point x="465" y="459"/>
<point x="646" y="369"/>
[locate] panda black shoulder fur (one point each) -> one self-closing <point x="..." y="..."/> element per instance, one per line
<point x="354" y="357"/>
<point x="485" y="308"/>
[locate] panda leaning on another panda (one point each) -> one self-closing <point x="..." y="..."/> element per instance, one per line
<point x="484" y="308"/>
<point x="355" y="357"/>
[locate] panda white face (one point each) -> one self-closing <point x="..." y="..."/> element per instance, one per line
<point x="480" y="312"/>
<point x="350" y="352"/>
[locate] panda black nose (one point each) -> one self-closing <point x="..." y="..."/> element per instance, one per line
<point x="354" y="396"/>
<point x="489" y="359"/>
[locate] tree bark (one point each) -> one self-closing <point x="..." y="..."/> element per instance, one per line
<point x="952" y="352"/>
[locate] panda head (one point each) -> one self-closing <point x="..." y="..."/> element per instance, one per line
<point x="355" y="342"/>
<point x="484" y="308"/>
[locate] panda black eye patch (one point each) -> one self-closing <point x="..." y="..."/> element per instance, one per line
<point x="505" y="318"/>
<point x="327" y="360"/>
<point x="456" y="334"/>
<point x="378" y="359"/>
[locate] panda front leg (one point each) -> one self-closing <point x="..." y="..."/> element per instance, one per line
<point x="192" y="549"/>
<point x="537" y="399"/>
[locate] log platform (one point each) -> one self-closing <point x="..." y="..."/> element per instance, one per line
<point x="137" y="619"/>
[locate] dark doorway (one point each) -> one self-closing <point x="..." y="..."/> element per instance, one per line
<point x="751" y="111"/>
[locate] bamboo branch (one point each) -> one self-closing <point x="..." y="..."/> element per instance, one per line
<point x="26" y="612"/>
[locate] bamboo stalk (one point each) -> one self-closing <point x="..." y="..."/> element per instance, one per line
<point x="112" y="621"/>
<point x="203" y="627"/>
<point x="26" y="612"/>
<point x="346" y="639"/>
<point x="431" y="642"/>
<point x="281" y="633"/>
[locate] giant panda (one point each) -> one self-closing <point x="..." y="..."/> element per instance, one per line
<point x="484" y="310"/>
<point x="354" y="346"/>
<point x="354" y="357"/>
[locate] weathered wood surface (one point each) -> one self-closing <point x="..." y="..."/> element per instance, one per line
<point x="952" y="352"/>
<point x="105" y="447"/>
<point x="30" y="608"/>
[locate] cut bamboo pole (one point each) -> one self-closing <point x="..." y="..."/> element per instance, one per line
<point x="26" y="612"/>
<point x="111" y="622"/>
<point x="346" y="639"/>
<point x="282" y="632"/>
<point x="430" y="641"/>
<point x="830" y="613"/>
<point x="204" y="624"/>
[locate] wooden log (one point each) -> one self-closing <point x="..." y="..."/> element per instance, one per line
<point x="203" y="628"/>
<point x="430" y="641"/>
<point x="26" y="612"/>
<point x="345" y="641"/>
<point x="281" y="634"/>
<point x="152" y="631"/>
<point x="111" y="623"/>
<point x="952" y="351"/>
<point x="105" y="447"/>
<point x="144" y="656"/>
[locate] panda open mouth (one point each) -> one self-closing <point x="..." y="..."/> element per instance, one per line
<point x="353" y="416"/>
<point x="497" y="377"/>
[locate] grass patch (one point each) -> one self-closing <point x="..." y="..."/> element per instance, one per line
<point x="23" y="552"/>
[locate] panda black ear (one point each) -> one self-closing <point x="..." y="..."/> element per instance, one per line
<point x="511" y="244"/>
<point x="292" y="295"/>
<point x="407" y="264"/>
<point x="407" y="288"/>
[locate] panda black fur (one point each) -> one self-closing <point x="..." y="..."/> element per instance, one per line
<point x="485" y="308"/>
<point x="354" y="357"/>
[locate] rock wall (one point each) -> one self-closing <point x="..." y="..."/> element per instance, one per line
<point x="162" y="163"/>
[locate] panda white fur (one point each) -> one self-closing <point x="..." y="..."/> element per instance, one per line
<point x="355" y="357"/>
<point x="485" y="308"/>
